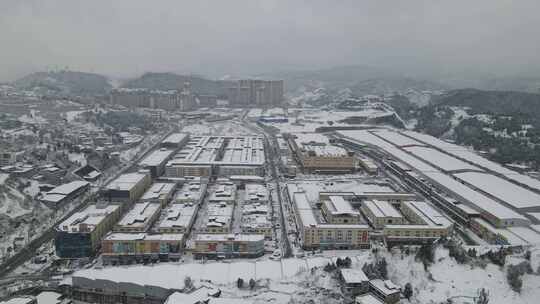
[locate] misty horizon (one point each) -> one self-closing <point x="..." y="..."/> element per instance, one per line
<point x="128" y="38"/>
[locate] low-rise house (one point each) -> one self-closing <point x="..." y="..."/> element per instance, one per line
<point x="354" y="281"/>
<point x="385" y="290"/>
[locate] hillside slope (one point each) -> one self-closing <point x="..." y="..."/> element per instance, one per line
<point x="65" y="82"/>
<point x="170" y="81"/>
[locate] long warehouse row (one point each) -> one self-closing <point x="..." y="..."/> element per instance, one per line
<point x="504" y="205"/>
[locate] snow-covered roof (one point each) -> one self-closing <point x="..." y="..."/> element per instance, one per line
<point x="430" y="216"/>
<point x="19" y="300"/>
<point x="177" y="216"/>
<point x="115" y="236"/>
<point x="337" y="205"/>
<point x="381" y="208"/>
<point x="367" y="299"/>
<point x="157" y="190"/>
<point x="353" y="276"/>
<point x="139" y="215"/>
<point x="87" y="219"/>
<point x="127" y="181"/>
<point x="156" y="158"/>
<point x="68" y="188"/>
<point x="502" y="189"/>
<point x="230" y="237"/>
<point x="463" y="192"/>
<point x="439" y="159"/>
<point x="385" y="287"/>
<point x="175" y="138"/>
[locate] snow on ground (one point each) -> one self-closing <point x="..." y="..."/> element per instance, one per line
<point x="77" y="157"/>
<point x="72" y="115"/>
<point x="10" y="203"/>
<point x="3" y="178"/>
<point x="451" y="279"/>
<point x="228" y="127"/>
<point x="307" y="120"/>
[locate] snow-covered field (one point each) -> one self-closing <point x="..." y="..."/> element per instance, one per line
<point x="293" y="279"/>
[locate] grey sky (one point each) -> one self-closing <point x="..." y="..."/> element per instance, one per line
<point x="128" y="37"/>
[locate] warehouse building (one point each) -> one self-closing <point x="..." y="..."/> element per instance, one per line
<point x="80" y="235"/>
<point x="228" y="246"/>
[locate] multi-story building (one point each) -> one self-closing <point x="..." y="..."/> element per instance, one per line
<point x="218" y="218"/>
<point x="381" y="213"/>
<point x="337" y="210"/>
<point x="139" y="218"/>
<point x="63" y="193"/>
<point x="317" y="232"/>
<point x="425" y="224"/>
<point x="177" y="218"/>
<point x="252" y="92"/>
<point x="160" y="193"/>
<point x="182" y="100"/>
<point x="229" y="245"/>
<point x="140" y="247"/>
<point x="155" y="161"/>
<point x="7" y="158"/>
<point x="316" y="155"/>
<point x="175" y="141"/>
<point x="190" y="193"/>
<point x="354" y="281"/>
<point x="255" y="206"/>
<point x="80" y="235"/>
<point x="128" y="187"/>
<point x="219" y="155"/>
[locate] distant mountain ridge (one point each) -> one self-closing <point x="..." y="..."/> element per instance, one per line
<point x="494" y="102"/>
<point x="65" y="82"/>
<point x="171" y="81"/>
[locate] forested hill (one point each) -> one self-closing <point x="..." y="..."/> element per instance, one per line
<point x="493" y="102"/>
<point x="65" y="82"/>
<point x="170" y="81"/>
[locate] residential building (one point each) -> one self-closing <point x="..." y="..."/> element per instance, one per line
<point x="255" y="93"/>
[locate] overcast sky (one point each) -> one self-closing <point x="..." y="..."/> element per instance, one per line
<point x="129" y="37"/>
